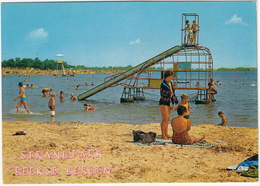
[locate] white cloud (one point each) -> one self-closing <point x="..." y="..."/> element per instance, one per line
<point x="235" y="20"/>
<point x="38" y="34"/>
<point x="137" y="41"/>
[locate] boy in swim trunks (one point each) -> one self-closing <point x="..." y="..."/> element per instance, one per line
<point x="51" y="104"/>
<point x="195" y="27"/>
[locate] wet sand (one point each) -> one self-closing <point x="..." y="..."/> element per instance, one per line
<point x="74" y="152"/>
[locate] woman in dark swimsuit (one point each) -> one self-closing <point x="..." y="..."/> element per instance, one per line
<point x="167" y="97"/>
<point x="180" y="128"/>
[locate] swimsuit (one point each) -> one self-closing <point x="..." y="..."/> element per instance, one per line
<point x="52" y="107"/>
<point x="166" y="94"/>
<point x="187" y="116"/>
<point x="23" y="99"/>
<point x="181" y="138"/>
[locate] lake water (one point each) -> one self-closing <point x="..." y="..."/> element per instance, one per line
<point x="237" y="98"/>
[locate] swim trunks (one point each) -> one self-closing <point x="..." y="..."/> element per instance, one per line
<point x="52" y="107"/>
<point x="181" y="138"/>
<point x="23" y="99"/>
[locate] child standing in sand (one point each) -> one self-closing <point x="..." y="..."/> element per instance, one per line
<point x="51" y="104"/>
<point x="223" y="119"/>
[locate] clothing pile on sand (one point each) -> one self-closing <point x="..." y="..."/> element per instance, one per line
<point x="248" y="168"/>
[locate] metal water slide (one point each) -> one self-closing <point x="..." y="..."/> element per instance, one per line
<point x="121" y="76"/>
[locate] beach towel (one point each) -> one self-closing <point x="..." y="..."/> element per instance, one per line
<point x="200" y="144"/>
<point x="249" y="167"/>
<point x="250" y="161"/>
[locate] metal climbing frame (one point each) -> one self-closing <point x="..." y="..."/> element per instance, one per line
<point x="190" y="37"/>
<point x="192" y="66"/>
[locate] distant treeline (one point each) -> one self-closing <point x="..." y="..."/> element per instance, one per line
<point x="32" y="63"/>
<point x="237" y="69"/>
<point x="52" y="65"/>
<point x="82" y="67"/>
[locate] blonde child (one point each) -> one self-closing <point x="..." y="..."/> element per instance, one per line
<point x="73" y="97"/>
<point x="185" y="102"/>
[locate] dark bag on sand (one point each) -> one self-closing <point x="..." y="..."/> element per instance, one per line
<point x="140" y="136"/>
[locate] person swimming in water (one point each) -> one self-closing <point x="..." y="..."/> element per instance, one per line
<point x="45" y="91"/>
<point x="90" y="107"/>
<point x="73" y="97"/>
<point x="23" y="99"/>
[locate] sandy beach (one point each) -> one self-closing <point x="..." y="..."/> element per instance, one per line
<point x="31" y="71"/>
<point x="74" y="152"/>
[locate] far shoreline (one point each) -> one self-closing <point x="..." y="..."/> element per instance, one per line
<point x="32" y="71"/>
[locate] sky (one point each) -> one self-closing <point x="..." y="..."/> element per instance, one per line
<point x="126" y="33"/>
